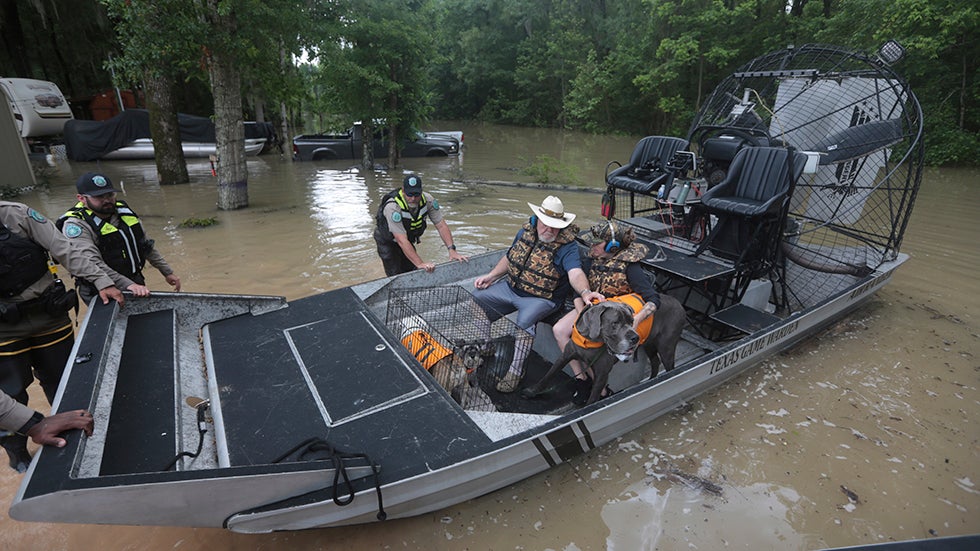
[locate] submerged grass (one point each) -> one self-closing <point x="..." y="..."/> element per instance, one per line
<point x="549" y="170"/>
<point x="198" y="222"/>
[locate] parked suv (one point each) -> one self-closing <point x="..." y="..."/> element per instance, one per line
<point x="347" y="145"/>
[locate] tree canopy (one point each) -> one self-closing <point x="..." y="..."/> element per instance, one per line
<point x="606" y="66"/>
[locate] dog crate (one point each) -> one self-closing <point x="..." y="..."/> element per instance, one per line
<point x="447" y="331"/>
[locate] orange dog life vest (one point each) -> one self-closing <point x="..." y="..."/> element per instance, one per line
<point x="426" y="349"/>
<point x="635" y="302"/>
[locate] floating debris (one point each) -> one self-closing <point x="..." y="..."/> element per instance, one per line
<point x="696" y="482"/>
<point x="853" y="497"/>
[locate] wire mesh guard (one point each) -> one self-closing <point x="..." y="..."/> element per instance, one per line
<point x="860" y="125"/>
<point x="451" y="336"/>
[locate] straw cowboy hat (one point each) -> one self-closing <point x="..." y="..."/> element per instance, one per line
<point x="552" y="212"/>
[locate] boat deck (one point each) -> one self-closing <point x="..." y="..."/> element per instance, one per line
<point x="338" y="375"/>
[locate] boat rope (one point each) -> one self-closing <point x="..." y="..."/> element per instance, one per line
<point x="202" y="428"/>
<point x="320" y="446"/>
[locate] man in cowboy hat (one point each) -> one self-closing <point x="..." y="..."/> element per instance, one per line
<point x="541" y="268"/>
<point x="401" y="220"/>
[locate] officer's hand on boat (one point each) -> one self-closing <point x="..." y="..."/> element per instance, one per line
<point x="46" y="431"/>
<point x="174" y="282"/>
<point x="111" y="293"/>
<point x="139" y="290"/>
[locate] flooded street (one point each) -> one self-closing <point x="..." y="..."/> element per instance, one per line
<point x="867" y="433"/>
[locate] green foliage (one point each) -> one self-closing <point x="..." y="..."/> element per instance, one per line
<point x="645" y="66"/>
<point x="374" y="66"/>
<point x="947" y="144"/>
<point x="198" y="222"/>
<point x="607" y="66"/>
<point x="545" y="169"/>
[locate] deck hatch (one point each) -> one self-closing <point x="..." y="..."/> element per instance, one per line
<point x="344" y="358"/>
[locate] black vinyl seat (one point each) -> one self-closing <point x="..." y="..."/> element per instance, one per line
<point x="647" y="168"/>
<point x="751" y="203"/>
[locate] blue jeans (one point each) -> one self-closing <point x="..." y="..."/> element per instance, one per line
<point x="500" y="299"/>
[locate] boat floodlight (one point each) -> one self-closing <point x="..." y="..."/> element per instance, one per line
<point x="891" y="52"/>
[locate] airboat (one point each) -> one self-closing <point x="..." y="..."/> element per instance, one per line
<point x="782" y="211"/>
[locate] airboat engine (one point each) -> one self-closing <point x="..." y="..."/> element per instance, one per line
<point x="719" y="144"/>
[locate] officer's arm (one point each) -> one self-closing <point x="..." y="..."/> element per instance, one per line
<point x="447" y="239"/>
<point x="408" y="249"/>
<point x="85" y="254"/>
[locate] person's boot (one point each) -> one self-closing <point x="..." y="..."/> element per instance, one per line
<point x="583" y="389"/>
<point x="16" y="447"/>
<point x="510" y="382"/>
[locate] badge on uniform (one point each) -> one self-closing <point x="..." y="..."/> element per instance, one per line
<point x="72" y="230"/>
<point x="36" y="215"/>
<point x="396" y="216"/>
<point x="435" y="205"/>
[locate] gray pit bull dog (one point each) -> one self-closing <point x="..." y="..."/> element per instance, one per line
<point x="611" y="324"/>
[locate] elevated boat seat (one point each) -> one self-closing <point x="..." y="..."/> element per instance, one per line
<point x="647" y="170"/>
<point x="750" y="204"/>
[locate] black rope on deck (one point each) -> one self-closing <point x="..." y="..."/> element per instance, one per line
<point x="202" y="427"/>
<point x="315" y="445"/>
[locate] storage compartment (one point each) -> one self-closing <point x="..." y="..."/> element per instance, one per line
<point x="757" y="295"/>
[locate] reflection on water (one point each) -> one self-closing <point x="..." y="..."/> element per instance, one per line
<point x="647" y="517"/>
<point x="884" y="404"/>
<point x="327" y="209"/>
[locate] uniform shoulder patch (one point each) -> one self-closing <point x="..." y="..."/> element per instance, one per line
<point x="72" y="230"/>
<point x="435" y="204"/>
<point x="37" y="216"/>
<point x="396" y="216"/>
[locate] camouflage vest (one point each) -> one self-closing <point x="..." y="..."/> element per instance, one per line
<point x="532" y="261"/>
<point x="608" y="275"/>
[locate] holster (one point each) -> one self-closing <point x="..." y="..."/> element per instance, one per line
<point x="57" y="299"/>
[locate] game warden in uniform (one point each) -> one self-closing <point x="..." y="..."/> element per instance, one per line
<point x="36" y="334"/>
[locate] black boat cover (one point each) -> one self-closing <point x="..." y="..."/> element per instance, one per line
<point x="90" y="140"/>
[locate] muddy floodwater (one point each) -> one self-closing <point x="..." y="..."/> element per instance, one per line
<point x="866" y="433"/>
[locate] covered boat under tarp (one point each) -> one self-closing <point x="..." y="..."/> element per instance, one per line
<point x="92" y="140"/>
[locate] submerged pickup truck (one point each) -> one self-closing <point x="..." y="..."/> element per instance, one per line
<point x="347" y="145"/>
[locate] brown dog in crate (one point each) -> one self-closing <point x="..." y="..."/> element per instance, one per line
<point x="450" y="369"/>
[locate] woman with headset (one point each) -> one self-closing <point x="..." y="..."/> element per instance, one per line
<point x="613" y="268"/>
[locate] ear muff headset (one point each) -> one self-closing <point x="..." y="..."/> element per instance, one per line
<point x="613" y="245"/>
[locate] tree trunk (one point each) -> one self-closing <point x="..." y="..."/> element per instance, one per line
<point x="285" y="138"/>
<point x="393" y="139"/>
<point x="393" y="136"/>
<point x="165" y="129"/>
<point x="367" y="146"/>
<point x="258" y="106"/>
<point x="229" y="128"/>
